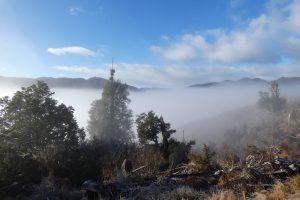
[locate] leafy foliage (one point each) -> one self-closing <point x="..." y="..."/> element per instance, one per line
<point x="78" y="165"/>
<point x="18" y="168"/>
<point x="149" y="126"/>
<point x="32" y="120"/>
<point x="35" y="133"/>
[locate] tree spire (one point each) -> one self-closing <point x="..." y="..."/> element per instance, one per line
<point x="112" y="70"/>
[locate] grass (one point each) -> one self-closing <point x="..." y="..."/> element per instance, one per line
<point x="288" y="190"/>
<point x="226" y="195"/>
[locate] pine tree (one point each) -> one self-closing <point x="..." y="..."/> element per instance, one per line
<point x="110" y="118"/>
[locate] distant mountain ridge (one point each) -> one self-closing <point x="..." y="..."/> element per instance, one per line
<point x="98" y="82"/>
<point x="92" y="83"/>
<point x="249" y="81"/>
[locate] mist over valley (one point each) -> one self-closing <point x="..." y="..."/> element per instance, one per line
<point x="203" y="111"/>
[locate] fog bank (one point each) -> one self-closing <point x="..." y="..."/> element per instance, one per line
<point x="178" y="106"/>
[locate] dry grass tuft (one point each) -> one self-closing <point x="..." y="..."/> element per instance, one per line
<point x="288" y="190"/>
<point x="278" y="192"/>
<point x="294" y="184"/>
<point x="225" y="195"/>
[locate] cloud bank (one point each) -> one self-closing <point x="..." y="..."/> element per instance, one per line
<point x="268" y="38"/>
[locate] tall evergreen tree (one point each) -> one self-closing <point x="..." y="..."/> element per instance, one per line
<point x="110" y="118"/>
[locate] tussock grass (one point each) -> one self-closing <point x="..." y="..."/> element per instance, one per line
<point x="287" y="190"/>
<point x="226" y="195"/>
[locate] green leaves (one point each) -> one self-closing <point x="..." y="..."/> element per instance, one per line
<point x="149" y="126"/>
<point x="32" y="119"/>
<point x="35" y="132"/>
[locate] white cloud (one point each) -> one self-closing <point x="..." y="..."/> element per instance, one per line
<point x="76" y="50"/>
<point x="265" y="39"/>
<point x="73" y="10"/>
<point x="144" y="75"/>
<point x="180" y="52"/>
<point x="293" y="19"/>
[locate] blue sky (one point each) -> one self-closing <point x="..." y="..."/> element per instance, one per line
<point x="154" y="43"/>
